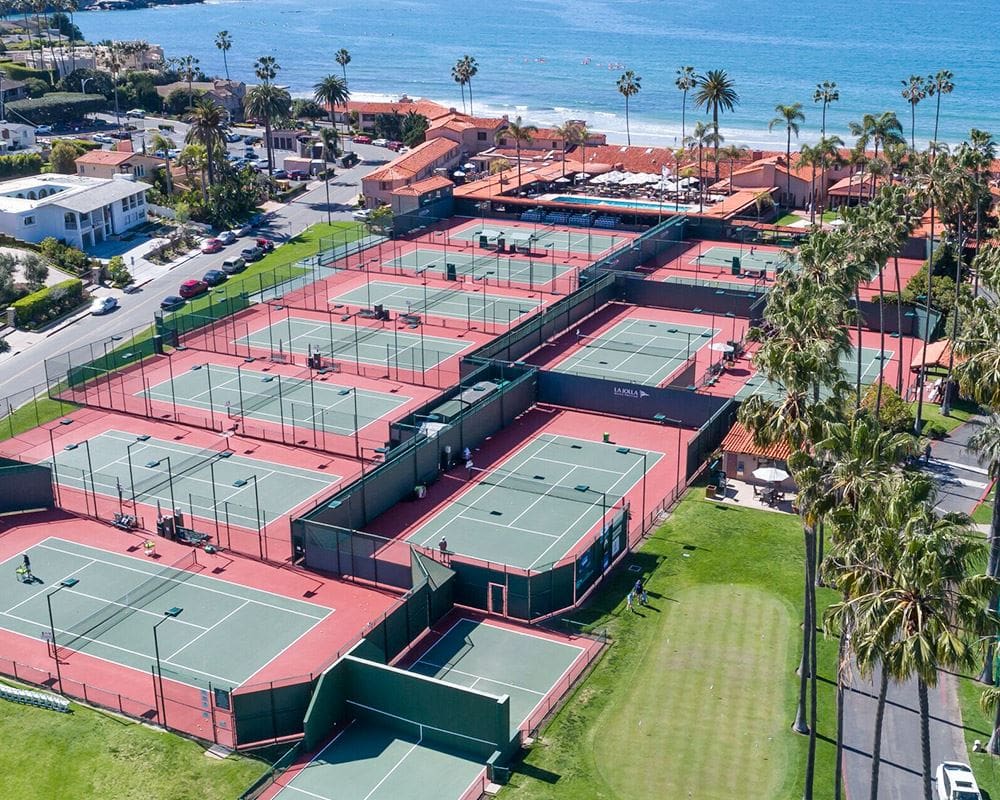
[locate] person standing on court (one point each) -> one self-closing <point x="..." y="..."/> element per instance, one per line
<point x="466" y="454"/>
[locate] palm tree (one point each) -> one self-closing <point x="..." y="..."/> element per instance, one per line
<point x="701" y="137"/>
<point x="207" y="121"/>
<point x="266" y="101"/>
<point x="685" y="81"/>
<point x="331" y="147"/>
<point x="986" y="445"/>
<point x="25" y="6"/>
<point x="470" y="68"/>
<point x="520" y="134"/>
<point x="569" y="132"/>
<point x="628" y="86"/>
<point x="790" y="117"/>
<point x="732" y="153"/>
<point x="913" y="92"/>
<point x="160" y="143"/>
<point x="224" y="42"/>
<point x="458" y="75"/>
<point x="343" y="58"/>
<point x="938" y="85"/>
<point x="826" y="93"/>
<point x="331" y="91"/>
<point x="716" y="91"/>
<point x="187" y="70"/>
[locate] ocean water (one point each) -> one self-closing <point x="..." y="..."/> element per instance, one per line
<point x="552" y="60"/>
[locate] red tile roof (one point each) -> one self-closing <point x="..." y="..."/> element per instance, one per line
<point x="418" y="159"/>
<point x="427" y="108"/>
<point x="104" y="158"/>
<point x="740" y="440"/>
<point x="427" y="185"/>
<point x="628" y="159"/>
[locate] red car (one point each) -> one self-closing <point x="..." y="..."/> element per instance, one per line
<point x="211" y="246"/>
<point x="395" y="146"/>
<point x="192" y="288"/>
<point x="362" y="140"/>
<point x="265" y="244"/>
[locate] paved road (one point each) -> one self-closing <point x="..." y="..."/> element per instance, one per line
<point x="901" y="765"/>
<point x="26" y="369"/>
<point x="961" y="478"/>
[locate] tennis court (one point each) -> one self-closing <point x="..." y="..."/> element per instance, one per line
<point x="224" y="633"/>
<point x="485" y="265"/>
<point x="362" y="344"/>
<point x="873" y="363"/>
<point x="384" y="755"/>
<point x="269" y="397"/>
<point x="640" y="351"/>
<point x="751" y="259"/>
<point x="535" y="506"/>
<point x="202" y="482"/>
<point x="484" y="306"/>
<point x="541" y="237"/>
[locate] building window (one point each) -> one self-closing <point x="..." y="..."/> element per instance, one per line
<point x="142" y="199"/>
<point x="125" y="204"/>
<point x="481" y="136"/>
<point x="29" y="221"/>
<point x="69" y="220"/>
<point x="140" y="170"/>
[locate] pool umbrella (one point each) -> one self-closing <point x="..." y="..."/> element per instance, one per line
<point x="770" y="474"/>
<point x="722" y="347"/>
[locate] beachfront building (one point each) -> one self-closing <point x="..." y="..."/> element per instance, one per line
<point x="793" y="188"/>
<point x="109" y="163"/>
<point x="474" y="134"/>
<point x="367" y="112"/>
<point x="420" y="163"/>
<point x="81" y="211"/>
<point x="550" y="141"/>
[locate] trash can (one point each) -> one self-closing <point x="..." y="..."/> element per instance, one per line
<point x="736" y="265"/>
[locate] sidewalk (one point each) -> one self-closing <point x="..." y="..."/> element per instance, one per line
<point x="960" y="477"/>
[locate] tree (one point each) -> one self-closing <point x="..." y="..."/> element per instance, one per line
<point x="224" y="42"/>
<point x="826" y="93"/>
<point x="985" y="443"/>
<point x="331" y="91"/>
<point x="63" y="156"/>
<point x="937" y="85"/>
<point x="913" y="92"/>
<point x="303" y="108"/>
<point x="470" y="68"/>
<point x="701" y="137"/>
<point x="207" y="128"/>
<point x="685" y="81"/>
<point x="788" y="116"/>
<point x="381" y="219"/>
<point x="458" y="75"/>
<point x="520" y="134"/>
<point x="414" y="128"/>
<point x="159" y="143"/>
<point x="267" y="102"/>
<point x="118" y="273"/>
<point x="187" y="70"/>
<point x="389" y="126"/>
<point x="343" y="58"/>
<point x="628" y="86"/>
<point x="331" y="147"/>
<point x="35" y="271"/>
<point x="97" y="82"/>
<point x="568" y="133"/>
<point x="716" y="92"/>
<point x="733" y="153"/>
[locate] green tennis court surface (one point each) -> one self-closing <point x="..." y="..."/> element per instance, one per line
<point x="583" y="241"/>
<point x="374" y="761"/>
<point x="873" y="363"/>
<point x="750" y="258"/>
<point x="178" y="475"/>
<point x="110" y="612"/>
<point x="276" y="399"/>
<point x="485" y="306"/>
<point x="499" y="661"/>
<point x="365" y="345"/>
<point x="637" y="350"/>
<point x="535" y="506"/>
<point x="481" y="264"/>
<point x="749" y="283"/>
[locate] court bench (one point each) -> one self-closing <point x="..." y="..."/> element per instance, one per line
<point x="52" y="702"/>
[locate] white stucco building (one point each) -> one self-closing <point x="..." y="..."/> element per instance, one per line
<point x="82" y="211"/>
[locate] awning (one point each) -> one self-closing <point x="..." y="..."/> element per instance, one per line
<point x="938" y="355"/>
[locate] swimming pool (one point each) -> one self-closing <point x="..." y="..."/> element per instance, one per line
<point x="640" y="205"/>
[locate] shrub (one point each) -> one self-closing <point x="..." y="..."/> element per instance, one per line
<point x="57" y="107"/>
<point x="63" y="156"/>
<point x="46" y="304"/>
<point x="20" y="72"/>
<point x="933" y="429"/>
<point x="894" y="413"/>
<point x="64" y="256"/>
<point x="18" y="164"/>
<point x="35" y="271"/>
<point x="118" y="272"/>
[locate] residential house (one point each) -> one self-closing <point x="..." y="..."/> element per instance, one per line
<point x="14" y="136"/>
<point x="228" y="94"/>
<point x="409" y="168"/>
<point x="82" y="211"/>
<point x="11" y="90"/>
<point x="108" y="163"/>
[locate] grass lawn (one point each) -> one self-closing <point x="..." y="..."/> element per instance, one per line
<point x="788" y="219"/>
<point x="983" y="513"/>
<point x="961" y="411"/>
<point x="978" y="726"/>
<point x="697" y="693"/>
<point x="91" y="754"/>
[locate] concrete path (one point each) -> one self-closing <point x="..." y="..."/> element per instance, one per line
<point x="961" y="477"/>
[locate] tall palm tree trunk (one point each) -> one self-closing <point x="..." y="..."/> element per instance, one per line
<point x="993" y="570"/>
<point x="517" y="150"/>
<point x="470" y="95"/>
<point x="925" y="737"/>
<point x="960" y="249"/>
<point x="899" y="320"/>
<point x="267" y="143"/>
<point x="839" y="763"/>
<point x="799" y="725"/>
<point x="628" y="132"/>
<point x="922" y="377"/>
<point x="881" y="335"/>
<point x="811" y="753"/>
<point x="883" y="689"/>
<point x="788" y="171"/>
<point x="857" y="311"/>
<point x="715" y="130"/>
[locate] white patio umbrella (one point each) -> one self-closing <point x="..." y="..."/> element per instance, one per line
<point x="561" y="180"/>
<point x="770" y="474"/>
<point x="721" y="347"/>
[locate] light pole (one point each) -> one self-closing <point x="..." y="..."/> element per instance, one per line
<point x="170" y="484"/>
<point x="90" y="469"/>
<point x="170" y="613"/>
<point x="68" y="583"/>
<point x="128" y="456"/>
<point x="256" y="499"/>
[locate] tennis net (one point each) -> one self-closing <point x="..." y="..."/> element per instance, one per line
<point x="133" y="600"/>
<point x="175" y="468"/>
<point x="687" y="346"/>
<point x="538" y="484"/>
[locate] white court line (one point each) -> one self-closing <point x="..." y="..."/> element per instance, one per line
<point x="503" y="525"/>
<point x="216" y="624"/>
<point x="449" y="669"/>
<point x="118" y="565"/>
<point x="292" y="788"/>
<point x="44" y="590"/>
<point x="396" y="766"/>
<point x="106" y="601"/>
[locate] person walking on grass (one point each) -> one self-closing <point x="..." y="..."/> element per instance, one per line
<point x="628" y="602"/>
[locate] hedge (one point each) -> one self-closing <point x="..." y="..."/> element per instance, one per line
<point x="20" y="72"/>
<point x="46" y="304"/>
<point x="58" y="107"/>
<point x="20" y="164"/>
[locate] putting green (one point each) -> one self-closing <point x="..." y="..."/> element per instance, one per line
<point x="706" y="716"/>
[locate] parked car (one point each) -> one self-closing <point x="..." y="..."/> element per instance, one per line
<point x="43" y="130"/>
<point x="172" y="302"/>
<point x="102" y="138"/>
<point x="243" y="230"/>
<point x="955" y="781"/>
<point x="192" y="288"/>
<point x="102" y="305"/>
<point x="252" y="139"/>
<point x="395" y="146"/>
<point x="298" y="175"/>
<point x="265" y="244"/>
<point x="250" y="154"/>
<point x="279" y="174"/>
<point x="211" y="246"/>
<point x="361" y="139"/>
<point x="214" y="277"/>
<point x="226" y="237"/>
<point x="380" y="142"/>
<point x="234" y="264"/>
<point x="135" y="113"/>
<point x="362" y="214"/>
<point x="250" y="254"/>
<point x="233" y="137"/>
<point x="349" y="159"/>
<point x="121" y="135"/>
